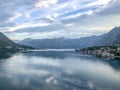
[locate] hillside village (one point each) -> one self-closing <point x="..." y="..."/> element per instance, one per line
<point x="109" y="52"/>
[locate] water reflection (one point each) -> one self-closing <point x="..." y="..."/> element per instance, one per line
<point x="58" y="70"/>
<point x="6" y="55"/>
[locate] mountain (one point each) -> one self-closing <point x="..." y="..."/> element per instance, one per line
<point x="57" y="43"/>
<point x="110" y="38"/>
<point x="5" y="42"/>
<point x="107" y="39"/>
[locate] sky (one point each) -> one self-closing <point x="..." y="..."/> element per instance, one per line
<point x="39" y="19"/>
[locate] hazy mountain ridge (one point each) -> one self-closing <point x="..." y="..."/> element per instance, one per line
<point x="110" y="38"/>
<point x="56" y="43"/>
<point x="107" y="39"/>
<point x="5" y="42"/>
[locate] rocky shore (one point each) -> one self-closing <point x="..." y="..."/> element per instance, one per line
<point x="107" y="52"/>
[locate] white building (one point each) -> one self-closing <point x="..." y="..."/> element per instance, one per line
<point x="118" y="49"/>
<point x="8" y="47"/>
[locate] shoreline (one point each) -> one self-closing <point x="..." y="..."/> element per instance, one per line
<point x="105" y="52"/>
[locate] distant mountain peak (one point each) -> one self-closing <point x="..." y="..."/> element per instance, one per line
<point x="28" y="39"/>
<point x="115" y="29"/>
<point x="110" y="38"/>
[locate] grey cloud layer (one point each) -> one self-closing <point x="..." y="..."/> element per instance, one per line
<point x="70" y="18"/>
<point x="113" y="8"/>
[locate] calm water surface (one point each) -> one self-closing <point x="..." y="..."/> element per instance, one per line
<point x="58" y="70"/>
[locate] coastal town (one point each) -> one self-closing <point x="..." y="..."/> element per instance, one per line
<point x="106" y="52"/>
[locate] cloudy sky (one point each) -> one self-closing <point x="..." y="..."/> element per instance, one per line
<point x="20" y="19"/>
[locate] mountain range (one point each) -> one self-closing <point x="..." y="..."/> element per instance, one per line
<point x="111" y="38"/>
<point x="6" y="43"/>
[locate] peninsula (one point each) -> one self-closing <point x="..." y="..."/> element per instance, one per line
<point x="107" y="52"/>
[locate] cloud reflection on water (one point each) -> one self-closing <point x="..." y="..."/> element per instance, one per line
<point x="71" y="72"/>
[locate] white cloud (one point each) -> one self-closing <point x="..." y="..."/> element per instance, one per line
<point x="28" y="25"/>
<point x="56" y="18"/>
<point x="49" y="17"/>
<point x="45" y="3"/>
<point x="16" y="15"/>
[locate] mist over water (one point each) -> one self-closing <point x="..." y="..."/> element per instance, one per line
<point x="58" y="70"/>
